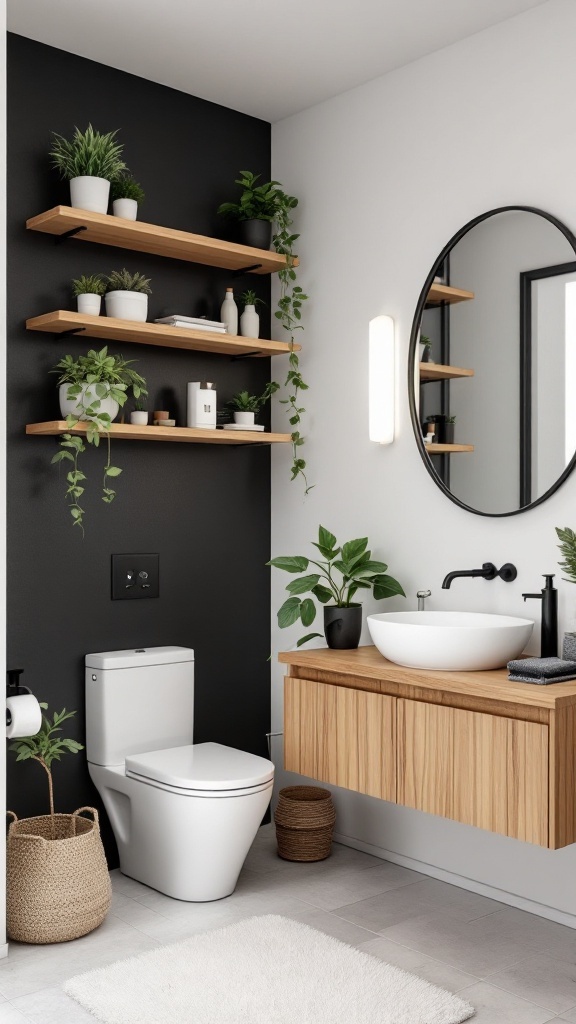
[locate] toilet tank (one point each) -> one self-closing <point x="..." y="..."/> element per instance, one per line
<point x="138" y="700"/>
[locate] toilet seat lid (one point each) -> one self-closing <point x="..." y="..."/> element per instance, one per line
<point x="202" y="766"/>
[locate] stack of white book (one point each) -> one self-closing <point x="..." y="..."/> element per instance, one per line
<point x="197" y="323"/>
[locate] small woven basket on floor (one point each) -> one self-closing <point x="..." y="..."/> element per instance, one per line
<point x="58" y="886"/>
<point x="304" y="820"/>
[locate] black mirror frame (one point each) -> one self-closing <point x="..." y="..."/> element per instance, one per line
<point x="414" y="335"/>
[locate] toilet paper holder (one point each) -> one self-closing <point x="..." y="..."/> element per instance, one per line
<point x="13" y="685"/>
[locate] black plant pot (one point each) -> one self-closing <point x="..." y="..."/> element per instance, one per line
<point x="257" y="233"/>
<point x="448" y="433"/>
<point x="342" y="626"/>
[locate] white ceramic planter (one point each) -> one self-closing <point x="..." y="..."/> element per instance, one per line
<point x="127" y="305"/>
<point x="126" y="208"/>
<point x="139" y="418"/>
<point x="90" y="193"/>
<point x="69" y="406"/>
<point x="249" y="322"/>
<point x="244" y="418"/>
<point x="90" y="303"/>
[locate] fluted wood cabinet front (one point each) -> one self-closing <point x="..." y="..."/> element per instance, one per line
<point x="342" y="736"/>
<point x="483" y="770"/>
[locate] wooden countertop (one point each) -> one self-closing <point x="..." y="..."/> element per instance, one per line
<point x="368" y="663"/>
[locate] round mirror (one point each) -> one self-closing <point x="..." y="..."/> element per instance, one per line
<point x="492" y="365"/>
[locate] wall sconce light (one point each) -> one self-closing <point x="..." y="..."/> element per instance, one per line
<point x="381" y="379"/>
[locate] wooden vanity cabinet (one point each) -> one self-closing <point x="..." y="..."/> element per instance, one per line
<point x="470" y="746"/>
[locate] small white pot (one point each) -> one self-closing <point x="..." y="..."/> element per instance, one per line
<point x="90" y="193"/>
<point x="126" y="208"/>
<point x="70" y="405"/>
<point x="127" y="305"/>
<point x="90" y="303"/>
<point x="139" y="418"/>
<point x="245" y="418"/>
<point x="249" y="322"/>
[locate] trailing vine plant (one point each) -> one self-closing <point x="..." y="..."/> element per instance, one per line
<point x="289" y="314"/>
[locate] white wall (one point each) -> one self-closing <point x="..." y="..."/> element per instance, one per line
<point x="386" y="173"/>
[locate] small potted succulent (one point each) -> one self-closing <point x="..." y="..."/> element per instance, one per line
<point x="92" y="389"/>
<point x="139" y="415"/>
<point x="127" y="295"/>
<point x="358" y="571"/>
<point x="88" y="290"/>
<point x="89" y="161"/>
<point x="126" y="195"/>
<point x="246" y="406"/>
<point x="257" y="208"/>
<point x="249" y="320"/>
<point x="425" y="346"/>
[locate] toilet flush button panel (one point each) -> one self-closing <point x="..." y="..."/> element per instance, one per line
<point x="135" y="577"/>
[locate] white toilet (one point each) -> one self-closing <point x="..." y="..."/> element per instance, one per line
<point x="184" y="815"/>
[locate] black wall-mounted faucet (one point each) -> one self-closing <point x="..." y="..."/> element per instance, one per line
<point x="549" y="627"/>
<point x="508" y="572"/>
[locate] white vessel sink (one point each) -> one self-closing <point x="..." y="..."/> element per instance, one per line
<point x="454" y="641"/>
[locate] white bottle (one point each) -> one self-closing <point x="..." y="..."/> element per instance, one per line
<point x="229" y="312"/>
<point x="250" y="322"/>
<point x="201" y="405"/>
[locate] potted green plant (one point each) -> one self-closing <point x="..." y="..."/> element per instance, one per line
<point x="342" y="572"/>
<point x="449" y="430"/>
<point x="89" y="161"/>
<point x="425" y="346"/>
<point x="88" y="290"/>
<point x="126" y="195"/>
<point x="246" y="406"/>
<point x="58" y="886"/>
<point x="127" y="295"/>
<point x="567" y="538"/>
<point x="92" y="388"/>
<point x="250" y="320"/>
<point x="255" y="210"/>
<point x="139" y="415"/>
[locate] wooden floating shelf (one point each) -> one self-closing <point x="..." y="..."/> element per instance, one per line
<point x="129" y="432"/>
<point x="445" y="293"/>
<point x="162" y="335"/>
<point x="446" y="449"/>
<point x="142" y="237"/>
<point x="437" y="371"/>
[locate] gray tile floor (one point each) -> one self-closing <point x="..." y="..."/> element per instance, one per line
<point x="515" y="968"/>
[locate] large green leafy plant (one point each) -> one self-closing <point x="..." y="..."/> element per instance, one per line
<point x="93" y="378"/>
<point x="243" y="401"/>
<point x="47" y="746"/>
<point x="343" y="571"/>
<point x="567" y="546"/>
<point x="88" y="153"/>
<point x="257" y="202"/>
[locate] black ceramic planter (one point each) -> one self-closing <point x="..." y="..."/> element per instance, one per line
<point x="448" y="433"/>
<point x="342" y="626"/>
<point x="257" y="233"/>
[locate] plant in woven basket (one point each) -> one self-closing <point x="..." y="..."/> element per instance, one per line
<point x="47" y="746"/>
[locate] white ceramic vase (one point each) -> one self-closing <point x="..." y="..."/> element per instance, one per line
<point x="89" y="303"/>
<point x="127" y="305"/>
<point x="244" y="418"/>
<point x="139" y="418"/>
<point x="126" y="208"/>
<point x="70" y="406"/>
<point x="90" y="193"/>
<point x="249" y="322"/>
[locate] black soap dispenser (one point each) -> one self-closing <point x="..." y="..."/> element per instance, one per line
<point x="549" y="627"/>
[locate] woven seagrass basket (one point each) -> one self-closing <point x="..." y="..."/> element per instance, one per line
<point x="304" y="820"/>
<point x="58" y="881"/>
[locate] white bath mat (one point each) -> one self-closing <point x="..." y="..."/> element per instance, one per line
<point x="265" y="970"/>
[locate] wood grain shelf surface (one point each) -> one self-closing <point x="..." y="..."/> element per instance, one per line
<point x="142" y="237"/>
<point x="445" y="293"/>
<point x="438" y="371"/>
<point x="162" y="335"/>
<point x="448" y="449"/>
<point x="129" y="432"/>
<point x="492" y="686"/>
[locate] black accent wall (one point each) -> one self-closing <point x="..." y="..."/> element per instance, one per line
<point x="204" y="509"/>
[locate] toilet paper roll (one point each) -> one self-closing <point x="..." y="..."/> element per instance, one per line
<point x="23" y="716"/>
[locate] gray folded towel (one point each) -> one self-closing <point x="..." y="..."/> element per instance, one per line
<point x="541" y="670"/>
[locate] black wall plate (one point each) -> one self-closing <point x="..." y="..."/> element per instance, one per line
<point x="135" y="577"/>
